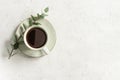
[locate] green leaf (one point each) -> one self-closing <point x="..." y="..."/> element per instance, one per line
<point x="46" y="9"/>
<point x="33" y="18"/>
<point x="24" y="26"/>
<point x="20" y="42"/>
<point x="16" y="45"/>
<point x="41" y="17"/>
<point x="30" y="22"/>
<point x="36" y="18"/>
<point x="38" y="15"/>
<point x="36" y="23"/>
<point x="43" y="14"/>
<point x="21" y="30"/>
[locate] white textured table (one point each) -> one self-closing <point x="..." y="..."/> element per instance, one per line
<point x="88" y="40"/>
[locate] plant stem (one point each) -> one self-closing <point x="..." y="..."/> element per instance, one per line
<point x="10" y="54"/>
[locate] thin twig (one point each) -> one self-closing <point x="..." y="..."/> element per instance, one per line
<point x="10" y="54"/>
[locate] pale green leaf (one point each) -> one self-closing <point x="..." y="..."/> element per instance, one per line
<point x="36" y="23"/>
<point x="21" y="30"/>
<point x="46" y="9"/>
<point x="24" y="26"/>
<point x="33" y="18"/>
<point x="30" y="22"/>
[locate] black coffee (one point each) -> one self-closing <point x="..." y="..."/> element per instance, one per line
<point x="36" y="37"/>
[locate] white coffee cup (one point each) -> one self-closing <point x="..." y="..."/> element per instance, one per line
<point x="42" y="49"/>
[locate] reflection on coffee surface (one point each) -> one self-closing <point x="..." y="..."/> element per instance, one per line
<point x="36" y="37"/>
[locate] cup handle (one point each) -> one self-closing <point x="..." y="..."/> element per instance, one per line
<point x="45" y="50"/>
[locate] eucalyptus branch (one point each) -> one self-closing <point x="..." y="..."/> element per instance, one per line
<point x="33" y="20"/>
<point x="10" y="54"/>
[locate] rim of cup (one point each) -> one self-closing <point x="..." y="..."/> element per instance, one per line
<point x="25" y="39"/>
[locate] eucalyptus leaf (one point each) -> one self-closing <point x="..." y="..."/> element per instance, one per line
<point x="38" y="15"/>
<point x="20" y="42"/>
<point x="36" y="18"/>
<point x="36" y="23"/>
<point x="30" y="22"/>
<point x="24" y="26"/>
<point x="16" y="45"/>
<point x="21" y="29"/>
<point x="41" y="17"/>
<point x="46" y="9"/>
<point x="33" y="18"/>
<point x="43" y="14"/>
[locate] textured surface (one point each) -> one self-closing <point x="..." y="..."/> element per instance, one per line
<point x="88" y="40"/>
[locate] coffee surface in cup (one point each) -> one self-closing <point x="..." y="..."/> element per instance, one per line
<point x="36" y="37"/>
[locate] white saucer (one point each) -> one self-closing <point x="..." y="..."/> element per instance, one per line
<point x="46" y="25"/>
